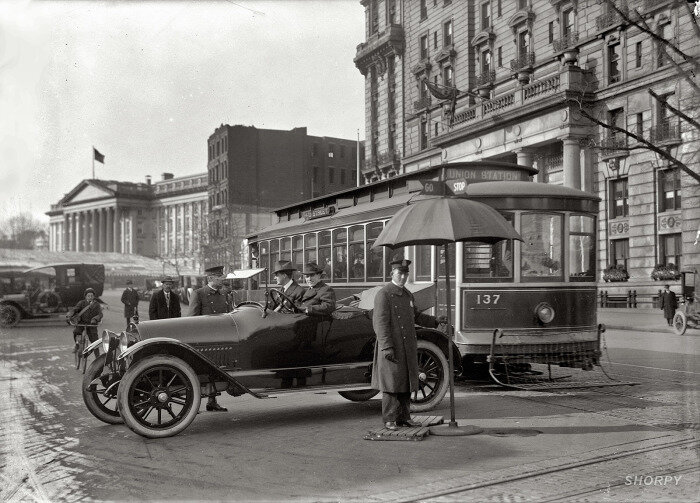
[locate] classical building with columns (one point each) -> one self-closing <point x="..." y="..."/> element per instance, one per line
<point x="449" y="80"/>
<point x="165" y="219"/>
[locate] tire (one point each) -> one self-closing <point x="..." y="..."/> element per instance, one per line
<point x="79" y="352"/>
<point x="434" y="377"/>
<point x="102" y="406"/>
<point x="146" y="395"/>
<point x="360" y="395"/>
<point x="9" y="316"/>
<point x="680" y="323"/>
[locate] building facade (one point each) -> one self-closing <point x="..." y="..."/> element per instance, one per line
<point x="536" y="82"/>
<point x="165" y="219"/>
<point x="253" y="171"/>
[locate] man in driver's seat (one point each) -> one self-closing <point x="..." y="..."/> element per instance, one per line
<point x="319" y="298"/>
<point x="283" y="272"/>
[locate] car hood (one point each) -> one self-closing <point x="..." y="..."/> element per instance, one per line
<point x="190" y="329"/>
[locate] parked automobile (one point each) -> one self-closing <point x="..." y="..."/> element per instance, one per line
<point x="46" y="291"/>
<point x="153" y="380"/>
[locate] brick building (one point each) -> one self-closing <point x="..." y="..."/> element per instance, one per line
<point x="522" y="73"/>
<point x="252" y="171"/>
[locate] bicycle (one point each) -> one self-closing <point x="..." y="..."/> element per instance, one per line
<point x="81" y="344"/>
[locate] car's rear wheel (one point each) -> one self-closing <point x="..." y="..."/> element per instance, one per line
<point x="101" y="398"/>
<point x="433" y="377"/>
<point x="9" y="316"/>
<point x="680" y="323"/>
<point x="159" y="396"/>
<point x="361" y="395"/>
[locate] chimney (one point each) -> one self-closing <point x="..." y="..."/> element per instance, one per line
<point x="148" y="179"/>
<point x="167" y="176"/>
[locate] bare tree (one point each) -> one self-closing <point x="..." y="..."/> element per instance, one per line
<point x="687" y="67"/>
<point x="21" y="231"/>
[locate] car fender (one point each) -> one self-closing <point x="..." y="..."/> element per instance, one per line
<point x="7" y="300"/>
<point x="173" y="347"/>
<point x="440" y="339"/>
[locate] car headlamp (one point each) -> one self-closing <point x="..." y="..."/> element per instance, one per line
<point x="123" y="341"/>
<point x="544" y="312"/>
<point x="106" y="337"/>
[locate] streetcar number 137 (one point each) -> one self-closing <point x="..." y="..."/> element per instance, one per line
<point x="487" y="298"/>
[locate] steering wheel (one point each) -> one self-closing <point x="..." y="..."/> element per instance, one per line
<point x="286" y="304"/>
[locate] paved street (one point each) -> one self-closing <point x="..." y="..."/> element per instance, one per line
<point x="606" y="444"/>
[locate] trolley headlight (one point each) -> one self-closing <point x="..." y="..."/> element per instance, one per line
<point x="544" y="312"/>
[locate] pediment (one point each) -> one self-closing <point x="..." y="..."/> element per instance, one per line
<point x="520" y="17"/>
<point x="87" y="192"/>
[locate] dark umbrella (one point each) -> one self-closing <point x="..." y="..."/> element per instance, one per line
<point x="441" y="221"/>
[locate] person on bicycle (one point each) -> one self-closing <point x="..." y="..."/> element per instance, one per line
<point x="85" y="316"/>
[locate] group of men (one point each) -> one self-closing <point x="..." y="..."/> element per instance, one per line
<point x="395" y="313"/>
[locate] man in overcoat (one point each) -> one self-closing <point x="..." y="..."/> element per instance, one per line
<point x="669" y="304"/>
<point x="395" y="368"/>
<point x="165" y="303"/>
<point x="130" y="299"/>
<point x="283" y="272"/>
<point x="210" y="300"/>
<point x="319" y="298"/>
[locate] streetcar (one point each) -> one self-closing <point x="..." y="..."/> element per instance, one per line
<point x="539" y="293"/>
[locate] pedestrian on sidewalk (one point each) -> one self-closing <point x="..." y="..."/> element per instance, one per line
<point x="669" y="304"/>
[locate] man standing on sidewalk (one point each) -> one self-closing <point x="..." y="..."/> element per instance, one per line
<point x="669" y="303"/>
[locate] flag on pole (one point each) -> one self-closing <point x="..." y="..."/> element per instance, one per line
<point x="97" y="156"/>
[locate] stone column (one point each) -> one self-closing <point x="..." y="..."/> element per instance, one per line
<point x="66" y="230"/>
<point x="93" y="230"/>
<point x="572" y="163"/>
<point x="78" y="231"/>
<point x="109" y="230"/>
<point x="524" y="158"/>
<point x="115" y="230"/>
<point x="587" y="170"/>
<point x="101" y="232"/>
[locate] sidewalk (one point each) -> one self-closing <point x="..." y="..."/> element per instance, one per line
<point x="641" y="320"/>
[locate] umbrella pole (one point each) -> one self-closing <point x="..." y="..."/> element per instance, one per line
<point x="452" y="429"/>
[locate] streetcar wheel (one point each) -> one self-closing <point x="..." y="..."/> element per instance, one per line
<point x="680" y="323"/>
<point x="100" y="402"/>
<point x="9" y="316"/>
<point x="159" y="396"/>
<point x="360" y="395"/>
<point x="433" y="381"/>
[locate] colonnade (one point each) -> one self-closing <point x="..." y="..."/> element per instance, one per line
<point x="577" y="164"/>
<point x="98" y="230"/>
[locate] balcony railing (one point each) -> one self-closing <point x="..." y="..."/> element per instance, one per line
<point x="524" y="61"/>
<point x="486" y="78"/>
<point x="614" y="145"/>
<point x="567" y="42"/>
<point x="666" y="131"/>
<point x="609" y="18"/>
<point x="422" y="103"/>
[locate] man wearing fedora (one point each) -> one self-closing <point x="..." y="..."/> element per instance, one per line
<point x="283" y="272"/>
<point x="211" y="300"/>
<point x="319" y="298"/>
<point x="130" y="299"/>
<point x="165" y="303"/>
<point x="395" y="367"/>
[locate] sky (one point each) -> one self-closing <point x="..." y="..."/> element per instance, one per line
<point x="146" y="83"/>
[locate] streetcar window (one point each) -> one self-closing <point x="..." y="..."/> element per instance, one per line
<point x="285" y="249"/>
<point x="582" y="246"/>
<point x="484" y="262"/>
<point x="340" y="253"/>
<point x="324" y="253"/>
<point x="541" y="251"/>
<point x="265" y="256"/>
<point x="356" y="253"/>
<point x="310" y="254"/>
<point x="274" y="250"/>
<point x="375" y="257"/>
<point x="297" y="252"/>
<point x="422" y="264"/>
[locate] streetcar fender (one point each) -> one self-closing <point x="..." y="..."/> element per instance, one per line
<point x="440" y="339"/>
<point x="199" y="363"/>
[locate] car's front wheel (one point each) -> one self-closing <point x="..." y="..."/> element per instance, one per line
<point x="9" y="316"/>
<point x="433" y="377"/>
<point x="361" y="395"/>
<point x="101" y="398"/>
<point x="159" y="396"/>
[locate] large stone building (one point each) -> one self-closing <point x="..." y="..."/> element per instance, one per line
<point x="197" y="220"/>
<point x="253" y="171"/>
<point x="523" y="74"/>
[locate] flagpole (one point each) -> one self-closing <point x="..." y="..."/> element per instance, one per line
<point x="93" y="162"/>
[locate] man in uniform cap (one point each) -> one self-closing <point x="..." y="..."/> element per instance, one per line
<point x="130" y="299"/>
<point x="395" y="368"/>
<point x="210" y="300"/>
<point x="319" y="298"/>
<point x="283" y="277"/>
<point x="165" y="303"/>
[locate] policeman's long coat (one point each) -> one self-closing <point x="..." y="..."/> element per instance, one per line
<point x="393" y="319"/>
<point x="206" y="300"/>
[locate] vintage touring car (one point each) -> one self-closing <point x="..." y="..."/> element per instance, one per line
<point x="153" y="380"/>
